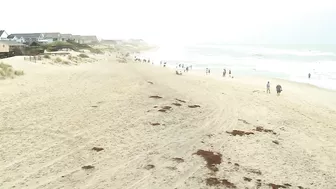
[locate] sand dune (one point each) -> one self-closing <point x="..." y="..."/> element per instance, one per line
<point x="99" y="126"/>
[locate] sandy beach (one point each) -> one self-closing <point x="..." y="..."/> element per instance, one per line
<point x="138" y="126"/>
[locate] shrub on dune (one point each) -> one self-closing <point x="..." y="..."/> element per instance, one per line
<point x="18" y="73"/>
<point x="58" y="60"/>
<point x="83" y="56"/>
<point x="46" y="56"/>
<point x="65" y="62"/>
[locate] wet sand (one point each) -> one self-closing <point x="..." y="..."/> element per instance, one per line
<point x="112" y="125"/>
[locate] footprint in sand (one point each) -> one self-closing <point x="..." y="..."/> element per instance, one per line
<point x="149" y="166"/>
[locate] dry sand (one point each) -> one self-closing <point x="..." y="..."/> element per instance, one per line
<point x="52" y="117"/>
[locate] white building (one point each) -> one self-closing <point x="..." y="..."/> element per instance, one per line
<point x="3" y="35"/>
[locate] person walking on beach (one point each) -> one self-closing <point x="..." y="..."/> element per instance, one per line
<point x="229" y="73"/>
<point x="278" y="89"/>
<point x="224" y="72"/>
<point x="206" y="71"/>
<point x="309" y="75"/>
<point x="268" y="86"/>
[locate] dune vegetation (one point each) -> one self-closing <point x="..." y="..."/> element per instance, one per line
<point x="7" y="71"/>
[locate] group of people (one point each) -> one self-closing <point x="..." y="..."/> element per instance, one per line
<point x="163" y="63"/>
<point x="224" y="73"/>
<point x="278" y="88"/>
<point x="180" y="67"/>
<point x="207" y="71"/>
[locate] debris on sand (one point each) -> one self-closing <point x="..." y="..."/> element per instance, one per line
<point x="177" y="104"/>
<point x="255" y="171"/>
<point x="149" y="166"/>
<point x="236" y="164"/>
<point x="194" y="106"/>
<point x="155" y="106"/>
<point x="150" y="82"/>
<point x="276" y="186"/>
<point x="155" y="124"/>
<point x="258" y="183"/>
<point x="166" y="107"/>
<point x="209" y="135"/>
<point x="247" y="179"/>
<point x="178" y="160"/>
<point x="275" y="142"/>
<point x="215" y="182"/>
<point x="88" y="167"/>
<point x="244" y="121"/>
<point x="288" y="185"/>
<point x="171" y="168"/>
<point x="94" y="106"/>
<point x="211" y="158"/>
<point x="240" y="133"/>
<point x="261" y="129"/>
<point x="180" y="100"/>
<point x="155" y="96"/>
<point x="97" y="149"/>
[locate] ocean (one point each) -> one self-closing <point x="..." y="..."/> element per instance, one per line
<point x="289" y="62"/>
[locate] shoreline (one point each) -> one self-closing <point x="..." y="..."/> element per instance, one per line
<point x="248" y="73"/>
<point x="198" y="72"/>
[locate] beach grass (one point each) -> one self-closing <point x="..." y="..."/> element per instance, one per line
<point x="7" y="71"/>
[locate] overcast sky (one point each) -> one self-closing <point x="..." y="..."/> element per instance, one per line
<point x="168" y="21"/>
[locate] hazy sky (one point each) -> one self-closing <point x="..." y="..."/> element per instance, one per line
<point x="234" y="21"/>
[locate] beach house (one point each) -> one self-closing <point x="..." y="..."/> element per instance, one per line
<point x="26" y="38"/>
<point x="3" y="35"/>
<point x="4" y="48"/>
<point x="10" y="48"/>
<point x="51" y="37"/>
<point x="77" y="39"/>
<point x="66" y="37"/>
<point x="90" y="39"/>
